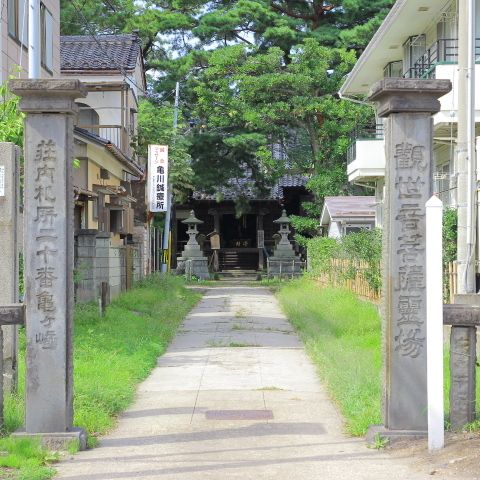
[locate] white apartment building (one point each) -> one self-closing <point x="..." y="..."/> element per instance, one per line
<point x="418" y="39"/>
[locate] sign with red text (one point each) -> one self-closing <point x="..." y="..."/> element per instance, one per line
<point x="157" y="178"/>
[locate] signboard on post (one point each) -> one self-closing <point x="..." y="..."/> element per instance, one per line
<point x="157" y="178"/>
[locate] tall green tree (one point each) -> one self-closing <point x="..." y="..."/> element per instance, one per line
<point x="253" y="73"/>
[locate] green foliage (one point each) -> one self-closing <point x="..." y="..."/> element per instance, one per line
<point x="112" y="354"/>
<point x="363" y="246"/>
<point x="253" y="73"/>
<point x="305" y="225"/>
<point x="320" y="252"/>
<point x="342" y="336"/>
<point x="155" y="126"/>
<point x="11" y="120"/>
<point x="26" y="458"/>
<point x="450" y="219"/>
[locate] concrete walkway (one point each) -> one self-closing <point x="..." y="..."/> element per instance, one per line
<point x="234" y="397"/>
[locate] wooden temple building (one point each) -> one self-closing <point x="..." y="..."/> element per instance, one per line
<point x="243" y="242"/>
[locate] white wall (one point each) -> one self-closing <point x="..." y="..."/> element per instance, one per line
<point x="369" y="160"/>
<point x="334" y="230"/>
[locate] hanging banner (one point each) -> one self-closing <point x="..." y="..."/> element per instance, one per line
<point x="157" y="178"/>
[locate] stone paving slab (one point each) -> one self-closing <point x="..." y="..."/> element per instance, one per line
<point x="167" y="433"/>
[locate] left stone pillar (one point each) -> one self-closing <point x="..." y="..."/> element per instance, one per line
<point x="50" y="110"/>
<point x="9" y="250"/>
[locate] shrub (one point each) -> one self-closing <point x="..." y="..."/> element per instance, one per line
<point x="364" y="246"/>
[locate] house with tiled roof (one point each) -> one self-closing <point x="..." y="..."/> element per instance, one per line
<point x="247" y="239"/>
<point x="109" y="187"/>
<point x="348" y="214"/>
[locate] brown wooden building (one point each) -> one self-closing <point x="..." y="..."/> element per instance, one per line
<point x="245" y="240"/>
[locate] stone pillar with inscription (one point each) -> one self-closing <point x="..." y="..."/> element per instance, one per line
<point x="50" y="110"/>
<point x="9" y="250"/>
<point x="408" y="105"/>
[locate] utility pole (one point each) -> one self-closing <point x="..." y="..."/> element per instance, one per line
<point x="466" y="190"/>
<point x="168" y="213"/>
<point x="34" y="41"/>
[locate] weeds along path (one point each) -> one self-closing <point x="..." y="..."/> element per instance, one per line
<point x="234" y="397"/>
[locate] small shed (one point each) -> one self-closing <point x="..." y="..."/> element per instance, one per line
<point x="344" y="215"/>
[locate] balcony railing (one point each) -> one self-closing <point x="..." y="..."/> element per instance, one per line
<point x="444" y="50"/>
<point x="374" y="133"/>
<point x="115" y="134"/>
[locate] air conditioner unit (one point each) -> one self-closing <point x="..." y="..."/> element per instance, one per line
<point x="104" y="174"/>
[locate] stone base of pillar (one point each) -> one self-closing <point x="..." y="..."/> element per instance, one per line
<point x="376" y="432"/>
<point x="58" y="441"/>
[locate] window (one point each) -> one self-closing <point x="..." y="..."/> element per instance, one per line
<point x="393" y="69"/>
<point x="88" y="118"/>
<point x="413" y="49"/>
<point x="116" y="219"/>
<point x="46" y="30"/>
<point x="17" y="20"/>
<point x="355" y="228"/>
<point x="442" y="183"/>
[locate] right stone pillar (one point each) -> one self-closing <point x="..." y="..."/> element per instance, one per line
<point x="408" y="105"/>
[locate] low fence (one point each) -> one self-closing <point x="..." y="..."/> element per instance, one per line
<point x="450" y="281"/>
<point x="351" y="275"/>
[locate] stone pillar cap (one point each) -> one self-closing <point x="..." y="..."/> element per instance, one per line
<point x="283" y="218"/>
<point x="192" y="219"/>
<point x="53" y="95"/>
<point x="409" y="95"/>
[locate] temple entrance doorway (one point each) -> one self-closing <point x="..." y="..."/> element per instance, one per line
<point x="238" y="232"/>
<point x="238" y="238"/>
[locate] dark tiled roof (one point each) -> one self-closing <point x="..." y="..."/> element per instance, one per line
<point x="102" y="52"/>
<point x="245" y="187"/>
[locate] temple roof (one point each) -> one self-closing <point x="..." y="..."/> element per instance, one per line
<point x="245" y="187"/>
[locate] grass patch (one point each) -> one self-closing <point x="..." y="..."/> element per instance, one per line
<point x="112" y="354"/>
<point x="342" y="336"/>
<point x="238" y="326"/>
<point x="241" y="313"/>
<point x="23" y="459"/>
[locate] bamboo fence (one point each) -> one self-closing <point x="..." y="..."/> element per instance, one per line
<point x="450" y="283"/>
<point x="349" y="274"/>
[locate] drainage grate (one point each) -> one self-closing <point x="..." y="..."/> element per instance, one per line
<point x="239" y="415"/>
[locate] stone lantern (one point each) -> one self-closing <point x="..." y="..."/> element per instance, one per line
<point x="284" y="231"/>
<point x="284" y="259"/>
<point x="192" y="248"/>
<point x="193" y="262"/>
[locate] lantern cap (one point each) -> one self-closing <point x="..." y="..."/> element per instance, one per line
<point x="283" y="218"/>
<point x="192" y="219"/>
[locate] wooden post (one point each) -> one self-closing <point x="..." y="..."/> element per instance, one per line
<point x="434" y="209"/>
<point x="104" y="297"/>
<point x="129" y="266"/>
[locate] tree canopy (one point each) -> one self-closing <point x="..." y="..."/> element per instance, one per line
<point x="253" y="73"/>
